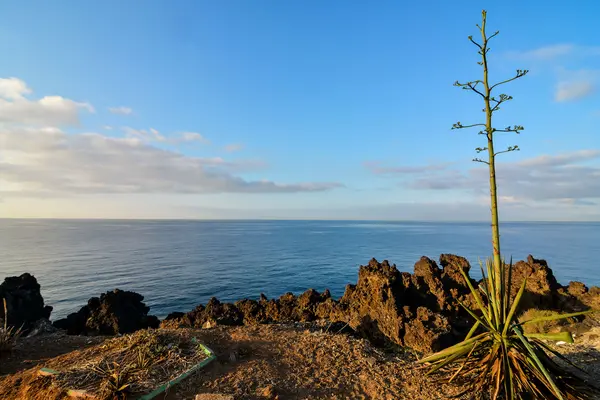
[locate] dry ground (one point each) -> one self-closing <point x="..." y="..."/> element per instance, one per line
<point x="296" y="361"/>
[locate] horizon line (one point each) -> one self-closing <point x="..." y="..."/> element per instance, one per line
<point x="267" y="219"/>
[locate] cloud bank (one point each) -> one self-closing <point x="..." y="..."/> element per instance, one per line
<point x="51" y="162"/>
<point x="16" y="108"/>
<point x="39" y="159"/>
<point x="567" y="178"/>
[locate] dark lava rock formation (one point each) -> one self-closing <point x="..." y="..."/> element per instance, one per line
<point x="114" y="312"/>
<point x="419" y="310"/>
<point x="24" y="302"/>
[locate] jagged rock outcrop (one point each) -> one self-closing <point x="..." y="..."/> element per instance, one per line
<point x="542" y="287"/>
<point x="374" y="306"/>
<point x="385" y="305"/>
<point x="577" y="297"/>
<point x="452" y="277"/>
<point x="112" y="313"/>
<point x="24" y="302"/>
<point x="428" y="331"/>
<point x="419" y="310"/>
<point x="543" y="291"/>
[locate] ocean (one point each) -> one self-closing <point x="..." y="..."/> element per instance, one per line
<point x="177" y="265"/>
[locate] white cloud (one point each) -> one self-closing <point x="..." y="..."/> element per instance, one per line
<point x="153" y="135"/>
<point x="48" y="111"/>
<point x="548" y="178"/>
<point x="39" y="160"/>
<point x="15" y="108"/>
<point x="556" y="51"/>
<point x="569" y="91"/>
<point x="107" y="127"/>
<point x="571" y="84"/>
<point x="191" y="137"/>
<point x="13" y="88"/>
<point x="558" y="160"/>
<point x="48" y="162"/>
<point x="233" y="147"/>
<point x="120" y="110"/>
<point x="549" y="52"/>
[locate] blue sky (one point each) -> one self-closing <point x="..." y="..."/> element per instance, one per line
<point x="270" y="109"/>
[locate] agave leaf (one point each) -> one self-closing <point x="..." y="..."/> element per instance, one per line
<point x="497" y="370"/>
<point x="451" y="359"/>
<point x="557" y="354"/>
<point x="478" y="299"/>
<point x="502" y="300"/>
<point x="473" y="330"/>
<point x="452" y="349"/>
<point x="486" y="289"/>
<point x="465" y="362"/>
<point x="555" y="317"/>
<point x="484" y="277"/>
<point x="508" y="285"/>
<point x="562" y="336"/>
<point x="510" y="384"/>
<point x="514" y="307"/>
<point x="493" y="299"/>
<point x="538" y="363"/>
<point x="503" y="310"/>
<point x="477" y="319"/>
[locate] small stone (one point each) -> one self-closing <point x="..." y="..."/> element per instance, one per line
<point x="268" y="392"/>
<point x="209" y="324"/>
<point x="214" y="396"/>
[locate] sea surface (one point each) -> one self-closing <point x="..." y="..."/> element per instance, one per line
<point x="179" y="264"/>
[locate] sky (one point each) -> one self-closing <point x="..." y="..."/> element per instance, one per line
<point x="294" y="110"/>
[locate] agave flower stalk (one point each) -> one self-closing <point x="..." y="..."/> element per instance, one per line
<point x="497" y="357"/>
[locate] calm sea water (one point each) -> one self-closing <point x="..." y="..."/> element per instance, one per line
<point x="179" y="264"/>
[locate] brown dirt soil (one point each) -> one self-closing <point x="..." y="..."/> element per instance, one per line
<point x="301" y="361"/>
<point x="298" y="361"/>
<point x="36" y="350"/>
<point x="585" y="352"/>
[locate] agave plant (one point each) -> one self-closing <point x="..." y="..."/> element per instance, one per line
<point x="497" y="358"/>
<point x="116" y="380"/>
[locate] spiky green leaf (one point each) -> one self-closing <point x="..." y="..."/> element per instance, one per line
<point x="557" y="337"/>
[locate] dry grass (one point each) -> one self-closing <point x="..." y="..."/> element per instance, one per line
<point x="136" y="363"/>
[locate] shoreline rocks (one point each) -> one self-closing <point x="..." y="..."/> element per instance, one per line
<point x="420" y="310"/>
<point x="24" y="302"/>
<point x="113" y="313"/>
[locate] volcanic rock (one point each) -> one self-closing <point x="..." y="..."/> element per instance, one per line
<point x="24" y="302"/>
<point x="115" y="312"/>
<point x="541" y="289"/>
<point x="429" y="331"/>
<point x="422" y="310"/>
